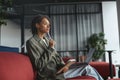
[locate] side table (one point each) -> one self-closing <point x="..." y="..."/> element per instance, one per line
<point x="110" y="62"/>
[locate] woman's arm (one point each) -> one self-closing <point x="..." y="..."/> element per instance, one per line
<point x="38" y="56"/>
<point x="66" y="67"/>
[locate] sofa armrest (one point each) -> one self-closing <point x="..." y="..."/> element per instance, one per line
<point x="15" y="66"/>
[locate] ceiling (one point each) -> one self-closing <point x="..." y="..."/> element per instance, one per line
<point x="33" y="7"/>
<point x="20" y="2"/>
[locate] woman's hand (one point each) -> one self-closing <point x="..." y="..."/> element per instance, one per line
<point x="63" y="70"/>
<point x="66" y="67"/>
<point x="52" y="43"/>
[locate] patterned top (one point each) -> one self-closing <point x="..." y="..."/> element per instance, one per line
<point x="40" y="54"/>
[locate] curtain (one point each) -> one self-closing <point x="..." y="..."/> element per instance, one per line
<point x="89" y="21"/>
<point x="64" y="26"/>
<point x="74" y="23"/>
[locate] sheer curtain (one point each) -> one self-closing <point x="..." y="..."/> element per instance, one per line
<point x="89" y="21"/>
<point x="74" y="23"/>
<point x="64" y="26"/>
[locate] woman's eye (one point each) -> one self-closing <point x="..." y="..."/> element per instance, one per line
<point x="45" y="23"/>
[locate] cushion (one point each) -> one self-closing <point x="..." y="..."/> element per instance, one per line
<point x="14" y="66"/>
<point x="65" y="59"/>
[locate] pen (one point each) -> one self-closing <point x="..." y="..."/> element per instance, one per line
<point x="49" y="36"/>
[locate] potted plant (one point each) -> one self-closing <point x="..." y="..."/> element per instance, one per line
<point x="5" y="5"/>
<point x="2" y="13"/>
<point x="98" y="42"/>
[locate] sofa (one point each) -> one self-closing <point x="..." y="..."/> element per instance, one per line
<point x="17" y="66"/>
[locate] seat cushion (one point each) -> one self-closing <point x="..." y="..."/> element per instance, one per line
<point x="14" y="66"/>
<point x="66" y="59"/>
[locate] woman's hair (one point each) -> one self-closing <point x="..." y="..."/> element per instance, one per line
<point x="37" y="19"/>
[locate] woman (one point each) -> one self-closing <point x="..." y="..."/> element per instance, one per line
<point x="46" y="60"/>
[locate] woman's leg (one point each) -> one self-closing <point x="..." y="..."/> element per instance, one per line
<point x="83" y="70"/>
<point x="90" y="71"/>
<point x="74" y="72"/>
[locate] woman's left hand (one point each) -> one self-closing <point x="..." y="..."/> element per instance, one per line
<point x="63" y="70"/>
<point x="66" y="67"/>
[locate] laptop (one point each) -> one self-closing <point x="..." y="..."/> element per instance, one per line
<point x="89" y="55"/>
<point x="83" y="64"/>
<point x="87" y="60"/>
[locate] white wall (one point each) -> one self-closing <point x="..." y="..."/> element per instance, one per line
<point x="28" y="34"/>
<point x="10" y="34"/>
<point x="118" y="10"/>
<point x="110" y="26"/>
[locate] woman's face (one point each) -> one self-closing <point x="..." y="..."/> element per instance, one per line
<point x="43" y="26"/>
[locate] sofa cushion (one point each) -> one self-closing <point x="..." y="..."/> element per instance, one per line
<point x="14" y="66"/>
<point x="66" y="59"/>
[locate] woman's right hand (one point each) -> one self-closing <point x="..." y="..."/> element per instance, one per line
<point x="52" y="43"/>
